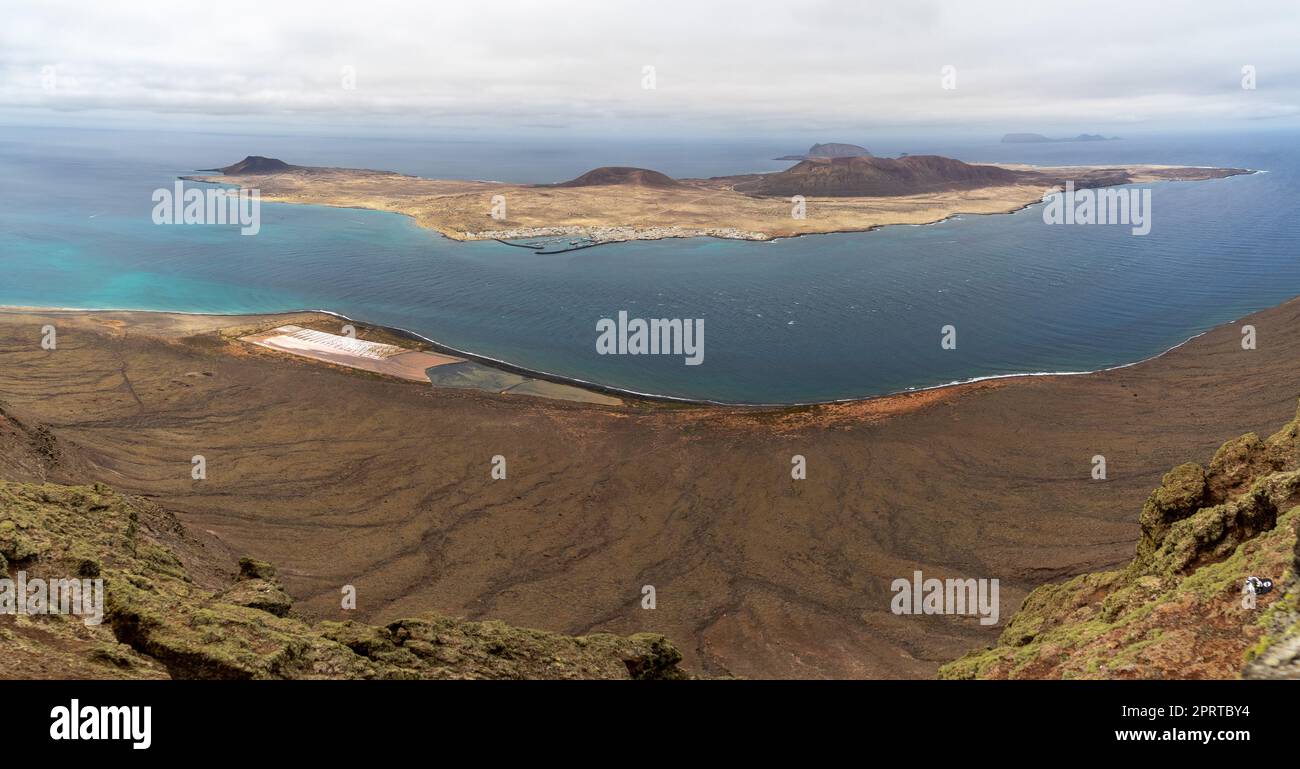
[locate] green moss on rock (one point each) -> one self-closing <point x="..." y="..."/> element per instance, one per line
<point x="1181" y="492"/>
<point x="251" y="568"/>
<point x="1177" y="610"/>
<point x="157" y="619"/>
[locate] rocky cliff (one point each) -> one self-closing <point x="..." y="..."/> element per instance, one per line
<point x="159" y="622"/>
<point x="177" y="606"/>
<point x="1178" y="609"/>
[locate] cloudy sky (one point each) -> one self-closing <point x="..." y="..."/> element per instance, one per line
<point x="759" y="67"/>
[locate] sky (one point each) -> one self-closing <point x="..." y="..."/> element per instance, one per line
<point x="664" y="68"/>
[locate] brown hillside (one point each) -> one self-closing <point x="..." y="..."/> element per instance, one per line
<point x="606" y="175"/>
<point x="877" y="177"/>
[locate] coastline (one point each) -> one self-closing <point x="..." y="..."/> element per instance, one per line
<point x="954" y="386"/>
<point x="331" y="474"/>
<point x="620" y="213"/>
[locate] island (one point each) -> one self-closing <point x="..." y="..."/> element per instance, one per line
<point x="1027" y="138"/>
<point x="830" y="150"/>
<point x="614" y="204"/>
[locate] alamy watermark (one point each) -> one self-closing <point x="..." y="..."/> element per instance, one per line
<point x="75" y="721"/>
<point x="1252" y="588"/>
<point x="1108" y="205"/>
<point x="656" y="336"/>
<point x="215" y="205"/>
<point x="974" y="597"/>
<point x="80" y="597"/>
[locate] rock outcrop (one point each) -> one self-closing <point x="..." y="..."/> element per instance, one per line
<point x="29" y="450"/>
<point x="1277" y="654"/>
<point x="158" y="622"/>
<point x="1178" y="609"/>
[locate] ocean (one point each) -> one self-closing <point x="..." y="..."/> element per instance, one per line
<point x="806" y="319"/>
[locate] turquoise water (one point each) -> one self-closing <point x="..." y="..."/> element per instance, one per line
<point x="805" y="319"/>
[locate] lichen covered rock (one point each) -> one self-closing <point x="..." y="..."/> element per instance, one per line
<point x="1277" y="654"/>
<point x="1177" y="610"/>
<point x="158" y="623"/>
<point x="1181" y="492"/>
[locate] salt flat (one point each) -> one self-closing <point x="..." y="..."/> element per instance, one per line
<point x="353" y="353"/>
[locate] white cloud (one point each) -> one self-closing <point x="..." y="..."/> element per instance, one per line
<point x="773" y="65"/>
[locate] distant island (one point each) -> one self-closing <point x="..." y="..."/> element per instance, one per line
<point x="830" y="150"/>
<point x="846" y="193"/>
<point x="1039" y="138"/>
<point x="253" y="164"/>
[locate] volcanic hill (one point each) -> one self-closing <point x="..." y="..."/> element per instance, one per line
<point x="877" y="177"/>
<point x="622" y="175"/>
<point x="255" y="164"/>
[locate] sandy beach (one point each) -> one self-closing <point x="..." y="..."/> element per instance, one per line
<point x="343" y="476"/>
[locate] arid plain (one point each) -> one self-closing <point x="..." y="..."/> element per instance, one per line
<point x="618" y="204"/>
<point x="346" y="477"/>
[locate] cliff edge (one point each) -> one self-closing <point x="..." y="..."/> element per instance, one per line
<point x="174" y="605"/>
<point x="1178" y="610"/>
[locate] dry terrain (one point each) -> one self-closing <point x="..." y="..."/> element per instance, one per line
<point x="1177" y="610"/>
<point x="340" y="476"/>
<point x="616" y="204"/>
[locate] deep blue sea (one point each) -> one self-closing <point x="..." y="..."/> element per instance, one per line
<point x="805" y="319"/>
